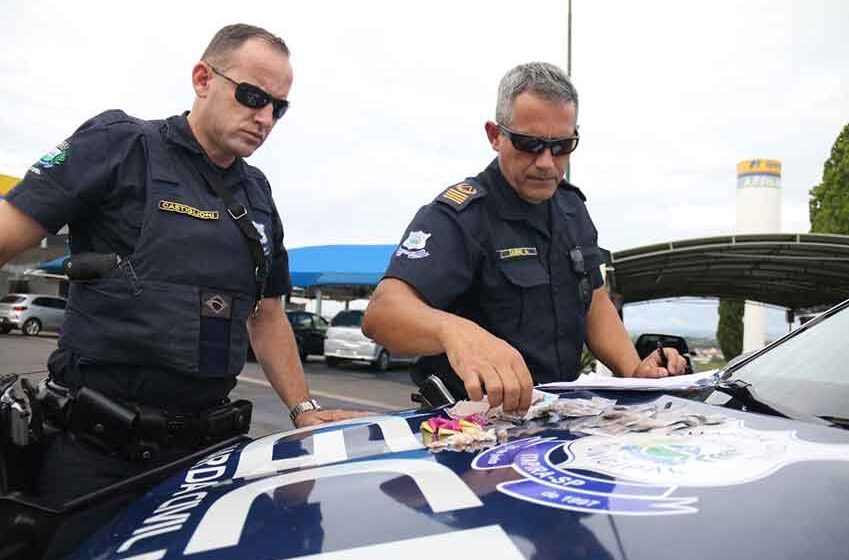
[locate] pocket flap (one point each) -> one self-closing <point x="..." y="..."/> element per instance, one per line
<point x="524" y="273"/>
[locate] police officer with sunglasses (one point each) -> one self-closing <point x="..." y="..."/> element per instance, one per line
<point x="496" y="283"/>
<point x="177" y="265"/>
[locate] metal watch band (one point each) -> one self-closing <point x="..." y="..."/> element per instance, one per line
<point x="302" y="407"/>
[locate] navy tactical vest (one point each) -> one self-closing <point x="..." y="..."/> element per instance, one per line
<point x="182" y="298"/>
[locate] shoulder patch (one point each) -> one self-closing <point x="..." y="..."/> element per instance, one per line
<point x="461" y="195"/>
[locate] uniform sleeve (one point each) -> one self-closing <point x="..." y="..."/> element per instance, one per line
<point x="72" y="177"/>
<point x="436" y="256"/>
<point x="279" y="281"/>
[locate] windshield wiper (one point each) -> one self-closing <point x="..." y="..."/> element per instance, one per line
<point x="744" y="393"/>
<point x="836" y="421"/>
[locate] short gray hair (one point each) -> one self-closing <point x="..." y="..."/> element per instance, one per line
<point x="541" y="78"/>
<point x="231" y="37"/>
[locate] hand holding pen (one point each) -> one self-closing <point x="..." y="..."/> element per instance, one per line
<point x="664" y="360"/>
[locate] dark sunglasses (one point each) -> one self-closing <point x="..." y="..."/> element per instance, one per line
<point x="251" y="96"/>
<point x="538" y="144"/>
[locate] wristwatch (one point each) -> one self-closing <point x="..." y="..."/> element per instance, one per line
<point x="302" y="407"/>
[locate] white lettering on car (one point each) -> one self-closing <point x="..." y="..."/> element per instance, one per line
<point x="486" y="542"/>
<point x="257" y="458"/>
<point x="222" y="523"/>
<point x="172" y="514"/>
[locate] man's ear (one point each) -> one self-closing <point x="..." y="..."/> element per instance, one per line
<point x="201" y="76"/>
<point x="493" y="134"/>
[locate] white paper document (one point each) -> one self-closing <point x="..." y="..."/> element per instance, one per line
<point x="673" y="383"/>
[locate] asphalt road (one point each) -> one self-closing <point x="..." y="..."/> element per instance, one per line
<point x="352" y="386"/>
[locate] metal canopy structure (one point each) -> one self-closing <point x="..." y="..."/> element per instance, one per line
<point x="795" y="271"/>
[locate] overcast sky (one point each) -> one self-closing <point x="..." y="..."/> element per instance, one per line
<point x="390" y="98"/>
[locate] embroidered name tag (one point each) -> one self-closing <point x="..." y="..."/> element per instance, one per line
<point x="516" y="252"/>
<point x="181" y="208"/>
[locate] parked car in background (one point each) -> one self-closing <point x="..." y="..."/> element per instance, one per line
<point x="346" y="342"/>
<point x="310" y="330"/>
<point x="31" y="313"/>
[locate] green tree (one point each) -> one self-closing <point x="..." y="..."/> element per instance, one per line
<point x="729" y="331"/>
<point x="829" y="204"/>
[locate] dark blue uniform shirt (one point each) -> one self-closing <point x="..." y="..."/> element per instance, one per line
<point x="524" y="272"/>
<point x="132" y="187"/>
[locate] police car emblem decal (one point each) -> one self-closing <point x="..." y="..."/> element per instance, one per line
<point x="414" y="246"/>
<point x="54" y="157"/>
<point x="636" y="473"/>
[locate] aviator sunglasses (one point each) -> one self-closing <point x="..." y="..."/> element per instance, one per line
<point x="251" y="96"/>
<point x="537" y="145"/>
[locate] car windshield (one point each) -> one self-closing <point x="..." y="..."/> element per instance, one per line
<point x="12" y="299"/>
<point x="807" y="372"/>
<point x="348" y="319"/>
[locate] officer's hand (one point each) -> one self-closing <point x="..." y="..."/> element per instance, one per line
<point x="313" y="417"/>
<point x="485" y="361"/>
<point x="651" y="364"/>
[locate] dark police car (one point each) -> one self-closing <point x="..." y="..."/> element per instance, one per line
<point x="310" y="331"/>
<point x="756" y="465"/>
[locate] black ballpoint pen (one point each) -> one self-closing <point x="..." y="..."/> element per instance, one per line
<point x="664" y="361"/>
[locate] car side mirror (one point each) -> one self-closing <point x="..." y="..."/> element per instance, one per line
<point x="647" y="343"/>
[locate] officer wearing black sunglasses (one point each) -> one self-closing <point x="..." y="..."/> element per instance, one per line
<point x="177" y="264"/>
<point x="496" y="283"/>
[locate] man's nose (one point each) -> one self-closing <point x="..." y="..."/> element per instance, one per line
<point x="545" y="159"/>
<point x="265" y="116"/>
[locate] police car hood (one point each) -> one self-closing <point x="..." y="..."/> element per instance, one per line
<point x="750" y="487"/>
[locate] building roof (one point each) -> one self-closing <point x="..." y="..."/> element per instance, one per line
<point x="785" y="269"/>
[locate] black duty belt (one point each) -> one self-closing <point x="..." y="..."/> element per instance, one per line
<point x="138" y="431"/>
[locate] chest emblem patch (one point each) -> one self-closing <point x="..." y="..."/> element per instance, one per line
<point x="414" y="246"/>
<point x="180" y="208"/>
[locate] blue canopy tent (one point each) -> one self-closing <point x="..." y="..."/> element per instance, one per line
<point x="339" y="265"/>
<point x="53" y="266"/>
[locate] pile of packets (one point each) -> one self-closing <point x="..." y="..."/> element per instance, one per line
<point x="472" y="425"/>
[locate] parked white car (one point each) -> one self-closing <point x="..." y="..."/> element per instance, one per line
<point x="346" y="342"/>
<point x="31" y="313"/>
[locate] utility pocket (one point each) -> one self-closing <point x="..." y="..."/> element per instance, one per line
<point x="521" y="296"/>
<point x="158" y="325"/>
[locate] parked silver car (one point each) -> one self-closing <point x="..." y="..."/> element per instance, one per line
<point x="346" y="341"/>
<point x="32" y="313"/>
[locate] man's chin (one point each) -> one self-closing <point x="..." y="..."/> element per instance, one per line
<point x="246" y="149"/>
<point x="538" y="191"/>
